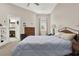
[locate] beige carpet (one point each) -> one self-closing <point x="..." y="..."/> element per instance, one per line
<point x="7" y="48"/>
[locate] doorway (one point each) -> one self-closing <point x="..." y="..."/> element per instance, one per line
<point x="14" y="27"/>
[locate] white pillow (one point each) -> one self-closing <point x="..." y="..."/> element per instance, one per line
<point x="67" y="36"/>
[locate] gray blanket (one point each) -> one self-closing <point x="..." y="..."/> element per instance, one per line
<point x="43" y="46"/>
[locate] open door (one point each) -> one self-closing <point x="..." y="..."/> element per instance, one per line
<point x="14" y="27"/>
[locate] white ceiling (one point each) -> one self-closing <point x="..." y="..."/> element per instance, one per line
<point x="43" y="8"/>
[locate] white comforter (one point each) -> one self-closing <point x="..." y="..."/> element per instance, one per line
<point x="43" y="46"/>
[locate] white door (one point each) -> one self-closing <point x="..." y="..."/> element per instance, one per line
<point x="17" y="28"/>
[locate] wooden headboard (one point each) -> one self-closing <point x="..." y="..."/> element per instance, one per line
<point x="70" y="30"/>
<point x="66" y="31"/>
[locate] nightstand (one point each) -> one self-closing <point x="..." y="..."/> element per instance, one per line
<point x="22" y="36"/>
<point x="75" y="47"/>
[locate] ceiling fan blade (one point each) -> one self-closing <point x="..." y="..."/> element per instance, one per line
<point x="36" y="4"/>
<point x="28" y="4"/>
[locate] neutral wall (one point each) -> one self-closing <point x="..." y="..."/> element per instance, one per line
<point x="65" y="15"/>
<point x="62" y="15"/>
<point x="27" y="16"/>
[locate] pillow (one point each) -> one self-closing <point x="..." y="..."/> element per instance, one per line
<point x="67" y="36"/>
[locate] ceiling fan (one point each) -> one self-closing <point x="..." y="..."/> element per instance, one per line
<point x="37" y="4"/>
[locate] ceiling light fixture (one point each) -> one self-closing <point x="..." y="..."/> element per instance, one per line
<point x="37" y="4"/>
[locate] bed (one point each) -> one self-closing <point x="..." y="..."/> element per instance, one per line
<point x="43" y="46"/>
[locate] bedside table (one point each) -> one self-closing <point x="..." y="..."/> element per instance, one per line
<point x="22" y="36"/>
<point x="75" y="47"/>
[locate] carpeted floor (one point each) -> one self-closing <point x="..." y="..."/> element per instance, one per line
<point x="7" y="48"/>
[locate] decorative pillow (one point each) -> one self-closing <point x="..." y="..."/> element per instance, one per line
<point x="67" y="36"/>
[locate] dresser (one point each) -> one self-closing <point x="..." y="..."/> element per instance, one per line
<point x="29" y="31"/>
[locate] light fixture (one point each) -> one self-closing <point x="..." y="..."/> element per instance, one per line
<point x="37" y="4"/>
